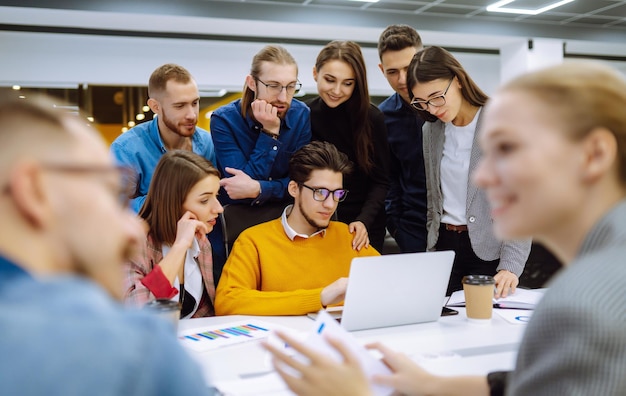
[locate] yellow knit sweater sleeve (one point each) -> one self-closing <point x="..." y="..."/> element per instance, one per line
<point x="268" y="274"/>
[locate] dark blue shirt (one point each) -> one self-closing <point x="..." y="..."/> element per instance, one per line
<point x="240" y="145"/>
<point x="406" y="199"/>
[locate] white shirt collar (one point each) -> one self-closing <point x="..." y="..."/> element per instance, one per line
<point x="193" y="276"/>
<point x="291" y="233"/>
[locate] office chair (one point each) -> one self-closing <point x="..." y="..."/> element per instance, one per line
<point x="237" y="218"/>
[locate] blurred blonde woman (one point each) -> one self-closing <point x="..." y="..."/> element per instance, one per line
<point x="553" y="168"/>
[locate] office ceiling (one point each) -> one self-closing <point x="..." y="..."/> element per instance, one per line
<point x="588" y="28"/>
<point x="603" y="14"/>
<point x="594" y="20"/>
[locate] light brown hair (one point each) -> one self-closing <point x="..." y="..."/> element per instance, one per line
<point x="165" y="73"/>
<point x="271" y="54"/>
<point x="35" y="127"/>
<point x="582" y="95"/>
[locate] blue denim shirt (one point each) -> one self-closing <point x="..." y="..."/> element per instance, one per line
<point x="141" y="148"/>
<point x="406" y="199"/>
<point x="240" y="145"/>
<point x="65" y="336"/>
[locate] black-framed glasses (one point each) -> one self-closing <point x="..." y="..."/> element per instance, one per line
<point x="437" y="101"/>
<point x="276" y="89"/>
<point x="321" y="194"/>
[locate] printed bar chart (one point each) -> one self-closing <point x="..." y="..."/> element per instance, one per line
<point x="203" y="339"/>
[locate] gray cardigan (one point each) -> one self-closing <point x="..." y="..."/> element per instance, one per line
<point x="512" y="255"/>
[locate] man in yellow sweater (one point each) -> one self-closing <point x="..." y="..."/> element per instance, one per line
<point x="298" y="263"/>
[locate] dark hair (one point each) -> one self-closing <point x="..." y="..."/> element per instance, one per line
<point x="581" y="96"/>
<point x="433" y="63"/>
<point x="359" y="103"/>
<point x="174" y="176"/>
<point x="165" y="73"/>
<point x="397" y="38"/>
<point x="317" y="155"/>
<point x="272" y="54"/>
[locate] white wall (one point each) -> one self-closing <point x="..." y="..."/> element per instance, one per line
<point x="66" y="60"/>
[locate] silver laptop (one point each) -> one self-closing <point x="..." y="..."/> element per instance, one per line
<point x="396" y="289"/>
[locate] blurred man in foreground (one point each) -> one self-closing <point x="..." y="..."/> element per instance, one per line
<point x="64" y="236"/>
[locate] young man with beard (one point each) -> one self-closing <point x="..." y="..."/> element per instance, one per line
<point x="298" y="263"/>
<point x="256" y="135"/>
<point x="175" y="101"/>
<point x="64" y="236"/>
<point x="406" y="200"/>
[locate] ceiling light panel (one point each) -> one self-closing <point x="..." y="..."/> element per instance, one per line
<point x="527" y="7"/>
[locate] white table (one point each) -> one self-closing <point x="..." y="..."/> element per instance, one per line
<point x="450" y="346"/>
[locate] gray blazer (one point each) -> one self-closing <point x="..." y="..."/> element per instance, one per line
<point x="575" y="343"/>
<point x="512" y="255"/>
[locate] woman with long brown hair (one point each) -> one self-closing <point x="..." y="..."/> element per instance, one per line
<point x="457" y="211"/>
<point x="180" y="209"/>
<point x="343" y="115"/>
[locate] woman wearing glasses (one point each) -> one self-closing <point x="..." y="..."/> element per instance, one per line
<point x="180" y="209"/>
<point x="343" y="115"/>
<point x="458" y="216"/>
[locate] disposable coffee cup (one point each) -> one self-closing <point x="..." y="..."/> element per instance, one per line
<point x="478" y="290"/>
<point x="167" y="309"/>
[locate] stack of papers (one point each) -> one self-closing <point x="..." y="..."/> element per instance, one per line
<point x="521" y="299"/>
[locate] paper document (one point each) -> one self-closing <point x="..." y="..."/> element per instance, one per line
<point x="270" y="383"/>
<point x="226" y="334"/>
<point x="326" y="325"/>
<point x="515" y="316"/>
<point x="521" y="299"/>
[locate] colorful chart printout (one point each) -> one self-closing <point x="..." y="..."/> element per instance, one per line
<point x="202" y="339"/>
